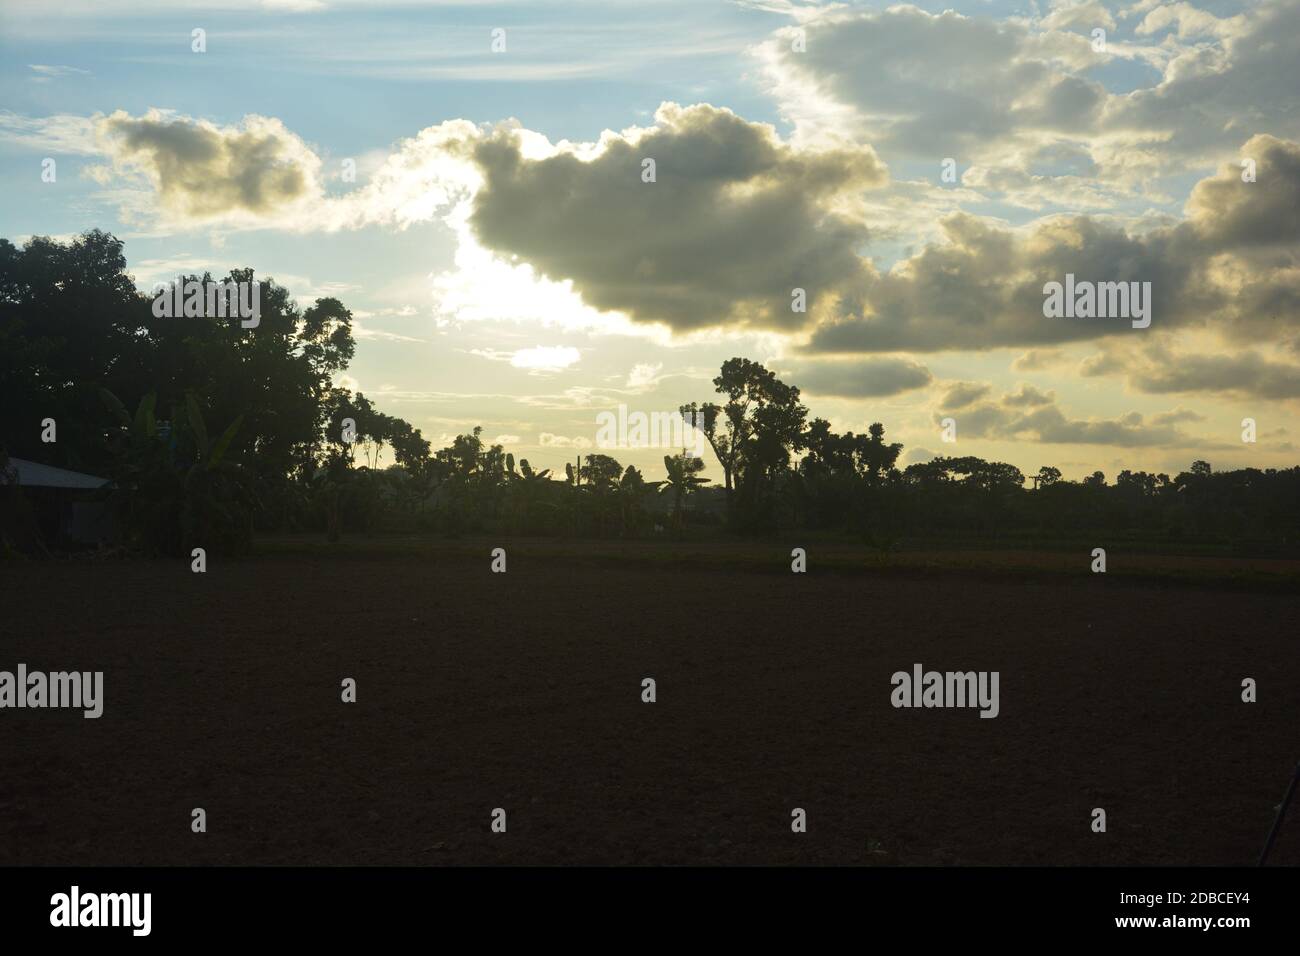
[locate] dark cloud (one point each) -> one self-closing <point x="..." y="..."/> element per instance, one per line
<point x="1159" y="369"/>
<point x="201" y="171"/>
<point x="859" y="378"/>
<point x="983" y="287"/>
<point x="737" y="219"/>
<point x="1233" y="265"/>
<point x="1247" y="373"/>
<point x="733" y="223"/>
<point x="962" y="394"/>
<point x="1028" y="414"/>
<point x="1026" y="396"/>
<point x="1230" y="213"/>
<point x="1176" y="416"/>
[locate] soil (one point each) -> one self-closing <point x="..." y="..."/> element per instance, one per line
<point x="523" y="691"/>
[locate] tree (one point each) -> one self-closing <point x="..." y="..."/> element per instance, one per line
<point x="74" y="329"/>
<point x="1047" y="476"/>
<point x="875" y="458"/>
<point x="632" y="490"/>
<point x="601" y="474"/>
<point x="71" y="322"/>
<point x="754" y="433"/>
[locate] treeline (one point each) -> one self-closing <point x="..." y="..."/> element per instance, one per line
<point x="212" y="433"/>
<point x="781" y="470"/>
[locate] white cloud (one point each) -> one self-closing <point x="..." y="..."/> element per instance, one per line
<point x="644" y="375"/>
<point x="61" y="133"/>
<point x="550" y="440"/>
<point x="1004" y="95"/>
<point x="546" y="358"/>
<point x="48" y="73"/>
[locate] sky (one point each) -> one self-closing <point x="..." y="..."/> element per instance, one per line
<point x="868" y="198"/>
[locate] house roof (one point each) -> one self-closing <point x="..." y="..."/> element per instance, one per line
<point x="33" y="474"/>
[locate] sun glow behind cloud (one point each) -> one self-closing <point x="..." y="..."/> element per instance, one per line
<point x="533" y="241"/>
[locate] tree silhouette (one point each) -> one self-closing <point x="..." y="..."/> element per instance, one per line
<point x="79" y="343"/>
<point x="752" y="434"/>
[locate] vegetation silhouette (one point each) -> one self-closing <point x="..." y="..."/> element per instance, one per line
<point x="79" y="343"/>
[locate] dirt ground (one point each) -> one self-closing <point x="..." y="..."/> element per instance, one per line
<point x="523" y="691"/>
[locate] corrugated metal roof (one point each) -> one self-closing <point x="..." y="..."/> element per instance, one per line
<point x="33" y="474"/>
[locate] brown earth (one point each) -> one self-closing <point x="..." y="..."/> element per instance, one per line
<point x="523" y="691"/>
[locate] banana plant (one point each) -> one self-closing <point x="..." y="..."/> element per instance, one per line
<point x="174" y="487"/>
<point x="210" y="455"/>
<point x="683" y="478"/>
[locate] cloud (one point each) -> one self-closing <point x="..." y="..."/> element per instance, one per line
<point x="258" y="173"/>
<point x="1002" y="95"/>
<point x="1177" y="415"/>
<point x="934" y="85"/>
<point x="737" y="219"/>
<point x="734" y="221"/>
<point x="1188" y="22"/>
<point x="1049" y="424"/>
<point x="201" y="172"/>
<point x="962" y="394"/>
<point x="538" y="360"/>
<point x="1030" y="415"/>
<point x="360" y="331"/>
<point x="1085" y="14"/>
<point x="48" y="73"/>
<point x="644" y="375"/>
<point x="545" y="358"/>
<point x="982" y="288"/>
<point x="1228" y="213"/>
<point x="1232" y="266"/>
<point x="1105" y="362"/>
<point x="1035" y="360"/>
<point x="1235" y="80"/>
<point x="549" y="440"/>
<point x="1162" y="371"/>
<point x="61" y="133"/>
<point x="1026" y="396"/>
<point x="860" y="378"/>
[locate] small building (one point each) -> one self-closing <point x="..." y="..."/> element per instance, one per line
<point x="58" y="504"/>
